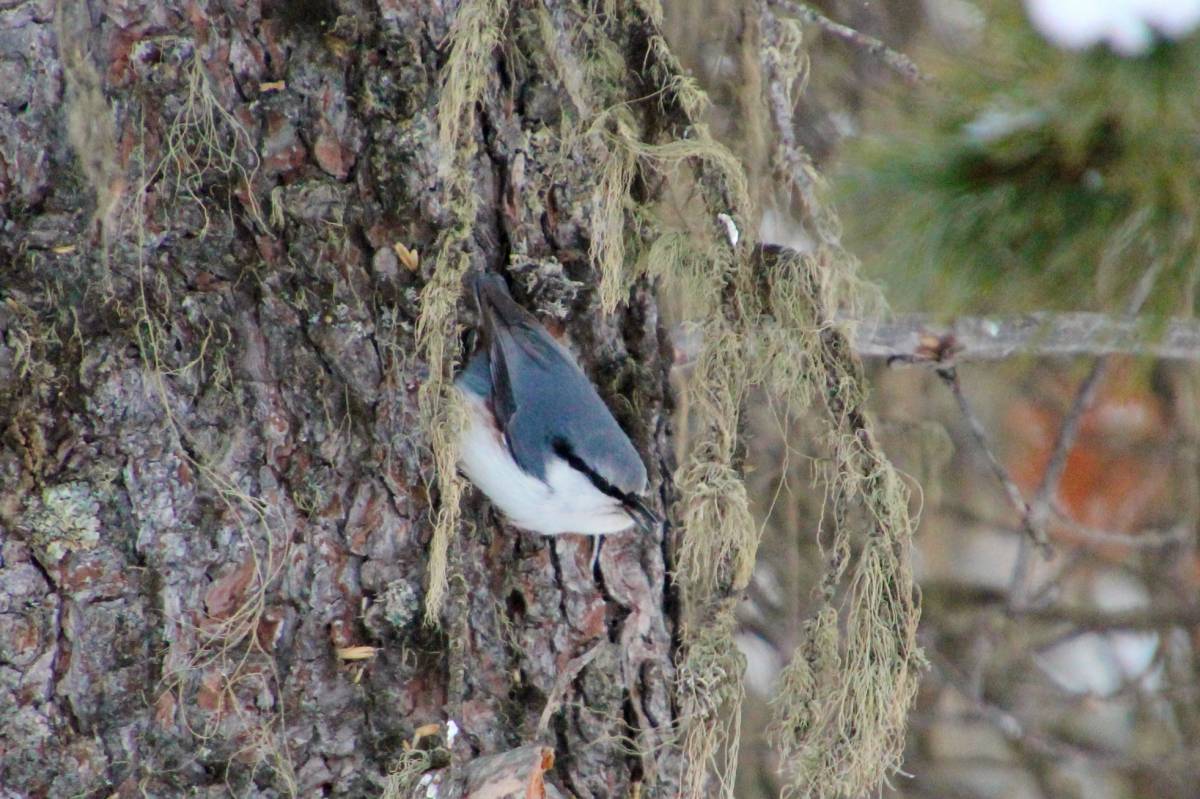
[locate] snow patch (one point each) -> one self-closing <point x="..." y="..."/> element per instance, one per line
<point x="1127" y="26"/>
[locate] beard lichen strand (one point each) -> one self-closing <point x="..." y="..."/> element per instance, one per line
<point x="607" y="247"/>
<point x="612" y="198"/>
<point x="441" y="411"/>
<point x="710" y="699"/>
<point x="839" y="718"/>
<point x="720" y="536"/>
<point x="474" y="36"/>
<point x="721" y="533"/>
<point x="854" y="726"/>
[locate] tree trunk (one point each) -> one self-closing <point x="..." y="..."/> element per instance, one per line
<point x="216" y="487"/>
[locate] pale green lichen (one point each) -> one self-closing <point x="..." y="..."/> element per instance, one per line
<point x="610" y="198"/>
<point x="66" y="519"/>
<point x="722" y="536"/>
<point x="442" y="412"/>
<point x="767" y="319"/>
<point x="841" y="715"/>
<point x="710" y="695"/>
<point x="797" y="705"/>
<point x="474" y="36"/>
<point x="401" y="604"/>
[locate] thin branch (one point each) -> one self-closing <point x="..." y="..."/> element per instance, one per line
<point x="921" y="338"/>
<point x="1090" y="618"/>
<point x="959" y="597"/>
<point x="1148" y="538"/>
<point x="797" y="166"/>
<point x="895" y="60"/>
<point x="949" y="376"/>
<point x="1145" y="538"/>
<point x="1030" y="737"/>
<point x="1006" y="722"/>
<point x="1040" y="507"/>
<point x="1058" y="335"/>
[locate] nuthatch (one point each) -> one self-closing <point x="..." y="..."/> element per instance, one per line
<point x="541" y="444"/>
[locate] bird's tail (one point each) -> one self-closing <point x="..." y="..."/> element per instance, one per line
<point x="495" y="303"/>
<point x="491" y="291"/>
<point x="485" y="284"/>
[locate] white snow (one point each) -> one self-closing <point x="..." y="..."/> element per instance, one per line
<point x="993" y="124"/>
<point x="1128" y="26"/>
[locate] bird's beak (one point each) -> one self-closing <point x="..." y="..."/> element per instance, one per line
<point x="645" y="519"/>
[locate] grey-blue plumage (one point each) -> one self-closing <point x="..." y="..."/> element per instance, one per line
<point x="542" y="399"/>
<point x="552" y="424"/>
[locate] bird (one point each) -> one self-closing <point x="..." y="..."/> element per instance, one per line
<point x="540" y="443"/>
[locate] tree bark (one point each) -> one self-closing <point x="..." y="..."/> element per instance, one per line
<point x="215" y="503"/>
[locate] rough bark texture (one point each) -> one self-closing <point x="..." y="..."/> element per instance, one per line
<point x="213" y="482"/>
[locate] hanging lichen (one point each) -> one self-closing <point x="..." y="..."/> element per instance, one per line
<point x="766" y="319"/>
<point x="710" y="690"/>
<point x="841" y="712"/>
<point x="474" y="36"/>
<point x="607" y="249"/>
<point x="627" y="154"/>
<point x="473" y="39"/>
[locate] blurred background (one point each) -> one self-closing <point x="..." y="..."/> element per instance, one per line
<point x="1022" y="181"/>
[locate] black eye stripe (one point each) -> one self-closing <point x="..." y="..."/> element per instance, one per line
<point x="563" y="450"/>
<point x="644" y="517"/>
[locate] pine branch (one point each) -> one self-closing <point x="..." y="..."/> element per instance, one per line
<point x="1046" y="334"/>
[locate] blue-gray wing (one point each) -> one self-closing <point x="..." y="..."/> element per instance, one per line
<point x="543" y="401"/>
<point x="476" y="376"/>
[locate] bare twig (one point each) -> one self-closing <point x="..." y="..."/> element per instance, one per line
<point x="949" y="376"/>
<point x="1147" y="539"/>
<point x="895" y="60"/>
<point x="1059" y="335"/>
<point x="1090" y="618"/>
<point x="976" y="599"/>
<point x="915" y="338"/>
<point x="1040" y="507"/>
<point x="953" y="597"/>
<point x="1004" y="721"/>
<point x="1042" y="503"/>
<point x="1025" y="734"/>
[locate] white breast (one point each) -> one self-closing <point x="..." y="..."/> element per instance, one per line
<point x="566" y="502"/>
